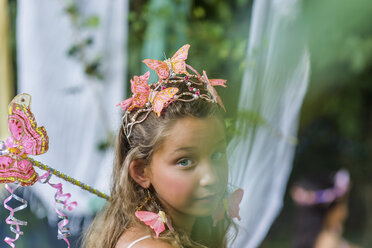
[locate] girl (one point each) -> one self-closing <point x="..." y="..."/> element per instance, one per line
<point x="170" y="175"/>
<point x="321" y="210"/>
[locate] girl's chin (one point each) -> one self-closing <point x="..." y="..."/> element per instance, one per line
<point x="204" y="210"/>
<point x="205" y="213"/>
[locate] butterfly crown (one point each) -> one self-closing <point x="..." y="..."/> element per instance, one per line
<point x="157" y="96"/>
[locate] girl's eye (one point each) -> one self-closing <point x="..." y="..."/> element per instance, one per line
<point x="185" y="162"/>
<point x="217" y="155"/>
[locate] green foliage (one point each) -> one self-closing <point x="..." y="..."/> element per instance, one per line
<point x="358" y="51"/>
<point x="340" y="33"/>
<point x="340" y="38"/>
<point x="247" y="119"/>
<point x="91" y="22"/>
<point x="216" y="30"/>
<point x="77" y="50"/>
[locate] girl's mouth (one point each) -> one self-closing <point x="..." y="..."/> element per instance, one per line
<point x="207" y="198"/>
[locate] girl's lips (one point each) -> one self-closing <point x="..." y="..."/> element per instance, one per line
<point x="208" y="197"/>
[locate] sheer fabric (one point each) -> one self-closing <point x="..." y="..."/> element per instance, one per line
<point x="76" y="110"/>
<point x="274" y="85"/>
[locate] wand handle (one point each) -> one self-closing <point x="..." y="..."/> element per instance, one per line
<point x="68" y="178"/>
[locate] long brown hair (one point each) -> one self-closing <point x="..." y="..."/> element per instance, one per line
<point x="126" y="194"/>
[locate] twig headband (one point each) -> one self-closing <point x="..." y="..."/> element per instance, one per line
<point x="157" y="96"/>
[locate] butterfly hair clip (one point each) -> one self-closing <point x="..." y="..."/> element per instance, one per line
<point x="171" y="66"/>
<point x="230" y="205"/>
<point x="155" y="221"/>
<point x="16" y="167"/>
<point x="155" y="97"/>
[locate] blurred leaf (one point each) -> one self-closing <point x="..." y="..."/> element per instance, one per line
<point x="89" y="41"/>
<point x="91" y="22"/>
<point x="72" y="51"/>
<point x="93" y="69"/>
<point x="199" y="12"/>
<point x="72" y="10"/>
<point x="252" y="118"/>
<point x="224" y="11"/>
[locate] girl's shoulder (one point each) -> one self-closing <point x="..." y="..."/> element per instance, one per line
<point x="135" y="238"/>
<point x="145" y="243"/>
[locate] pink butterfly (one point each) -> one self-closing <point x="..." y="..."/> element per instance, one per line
<point x="125" y="104"/>
<point x="176" y="63"/>
<point x="214" y="82"/>
<point x="230" y="205"/>
<point x="141" y="91"/>
<point x="161" y="99"/>
<point x="25" y="139"/>
<point x="155" y="221"/>
<point x="143" y="94"/>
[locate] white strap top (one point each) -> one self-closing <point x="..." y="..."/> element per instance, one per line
<point x="138" y="240"/>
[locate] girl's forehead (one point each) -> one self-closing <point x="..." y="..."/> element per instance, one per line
<point x="191" y="132"/>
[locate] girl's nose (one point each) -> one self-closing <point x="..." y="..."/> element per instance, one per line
<point x="208" y="174"/>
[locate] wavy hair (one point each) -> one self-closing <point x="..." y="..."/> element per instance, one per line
<point x="126" y="194"/>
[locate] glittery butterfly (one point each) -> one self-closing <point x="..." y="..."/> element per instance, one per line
<point x="210" y="87"/>
<point x="143" y="94"/>
<point x="175" y="64"/>
<point x="160" y="99"/>
<point x="140" y="90"/>
<point x="155" y="221"/>
<point x="25" y="139"/>
<point x="230" y="204"/>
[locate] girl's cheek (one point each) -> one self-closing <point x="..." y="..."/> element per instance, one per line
<point x="179" y="188"/>
<point x="223" y="175"/>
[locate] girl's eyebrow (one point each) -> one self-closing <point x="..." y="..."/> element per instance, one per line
<point x="187" y="148"/>
<point x="191" y="148"/>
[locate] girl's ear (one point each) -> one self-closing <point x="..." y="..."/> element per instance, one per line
<point x="139" y="172"/>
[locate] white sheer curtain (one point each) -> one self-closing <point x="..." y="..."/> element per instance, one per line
<point x="274" y="85"/>
<point x="64" y="99"/>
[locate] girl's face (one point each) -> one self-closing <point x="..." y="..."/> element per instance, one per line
<point x="189" y="170"/>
